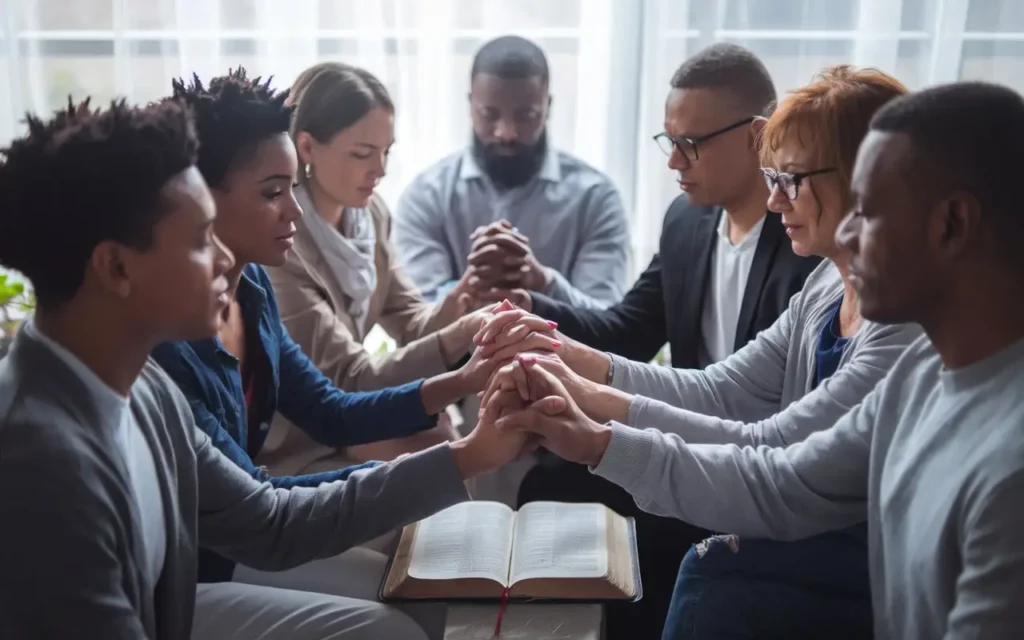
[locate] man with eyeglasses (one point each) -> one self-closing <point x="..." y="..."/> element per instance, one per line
<point x="511" y="212"/>
<point x="725" y="271"/>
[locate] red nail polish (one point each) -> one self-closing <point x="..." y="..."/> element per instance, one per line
<point x="556" y="343"/>
<point x="552" y="324"/>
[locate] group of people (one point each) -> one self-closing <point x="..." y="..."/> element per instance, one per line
<point x="195" y="442"/>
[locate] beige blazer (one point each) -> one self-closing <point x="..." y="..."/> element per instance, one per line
<point x="312" y="308"/>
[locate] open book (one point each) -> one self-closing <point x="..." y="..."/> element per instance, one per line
<point x="548" y="550"/>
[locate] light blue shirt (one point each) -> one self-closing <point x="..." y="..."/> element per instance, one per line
<point x="571" y="213"/>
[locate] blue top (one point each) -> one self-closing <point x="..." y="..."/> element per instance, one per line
<point x="831" y="345"/>
<point x="210" y="379"/>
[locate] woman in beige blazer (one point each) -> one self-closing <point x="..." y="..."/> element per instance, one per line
<point x="341" y="278"/>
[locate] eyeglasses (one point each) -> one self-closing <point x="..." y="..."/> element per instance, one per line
<point x="688" y="146"/>
<point x="789" y="183"/>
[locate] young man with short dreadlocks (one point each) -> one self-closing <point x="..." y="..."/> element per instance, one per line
<point x="109" y="488"/>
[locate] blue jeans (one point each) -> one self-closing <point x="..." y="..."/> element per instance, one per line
<point x="731" y="589"/>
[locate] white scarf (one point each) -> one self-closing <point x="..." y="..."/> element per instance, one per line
<point x="349" y="254"/>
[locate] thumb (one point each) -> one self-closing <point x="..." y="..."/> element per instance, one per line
<point x="504" y="306"/>
<point x="463" y="303"/>
<point x="551" y="405"/>
<point x="543" y="383"/>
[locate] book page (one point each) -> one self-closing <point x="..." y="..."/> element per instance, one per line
<point x="559" y="540"/>
<point x="468" y="540"/>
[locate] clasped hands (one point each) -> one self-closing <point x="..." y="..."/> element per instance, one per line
<point x="536" y="400"/>
<point x="501" y="266"/>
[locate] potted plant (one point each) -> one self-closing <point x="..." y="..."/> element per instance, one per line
<point x="15" y="303"/>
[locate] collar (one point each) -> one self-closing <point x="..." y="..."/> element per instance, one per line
<point x="550" y="171"/>
<point x="108" y="401"/>
<point x="253" y="299"/>
<point x="752" y="236"/>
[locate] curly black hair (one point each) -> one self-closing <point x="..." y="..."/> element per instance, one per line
<point x="232" y="114"/>
<point x="84" y="177"/>
<point x="965" y="136"/>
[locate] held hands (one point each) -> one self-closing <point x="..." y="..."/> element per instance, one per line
<point x="532" y="334"/>
<point x="487" y="448"/>
<point x="553" y="417"/>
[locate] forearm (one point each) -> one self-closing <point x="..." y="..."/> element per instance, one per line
<point x="700" y="428"/>
<point x="775" y="493"/>
<point x="603" y="403"/>
<point x="317" y="479"/>
<point x="585" y="361"/>
<point x="274" y="529"/>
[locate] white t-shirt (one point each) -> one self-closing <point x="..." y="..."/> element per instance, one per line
<point x="723" y="299"/>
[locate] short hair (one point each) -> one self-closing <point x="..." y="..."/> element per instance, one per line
<point x="511" y="58"/>
<point x="231" y="115"/>
<point x="731" y="68"/>
<point x="830" y="117"/>
<point x="84" y="177"/>
<point x="969" y="136"/>
<point x="331" y="96"/>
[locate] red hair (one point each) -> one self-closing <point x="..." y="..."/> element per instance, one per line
<point x="830" y="117"/>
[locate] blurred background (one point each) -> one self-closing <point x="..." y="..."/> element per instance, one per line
<point x="611" y="60"/>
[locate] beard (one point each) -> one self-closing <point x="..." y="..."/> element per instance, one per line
<point x="515" y="170"/>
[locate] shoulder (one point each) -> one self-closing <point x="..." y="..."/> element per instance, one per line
<point x="823" y="287"/>
<point x="682" y="212"/>
<point x="171" y="355"/>
<point x="49" y="452"/>
<point x="157" y="390"/>
<point x="258" y="275"/>
<point x="584" y="176"/>
<point x="430" y="182"/>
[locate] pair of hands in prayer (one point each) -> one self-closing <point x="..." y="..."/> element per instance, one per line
<point x="537" y="400"/>
<point x="501" y="266"/>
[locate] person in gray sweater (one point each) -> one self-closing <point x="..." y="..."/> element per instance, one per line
<point x="934" y="455"/>
<point x="818" y="360"/>
<point x="109" y="488"/>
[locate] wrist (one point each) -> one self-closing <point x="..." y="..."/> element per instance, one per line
<point x="604" y="404"/>
<point x="591" y="364"/>
<point x="468" y="461"/>
<point x="438" y="392"/>
<point x="453" y="342"/>
<point x="601" y="437"/>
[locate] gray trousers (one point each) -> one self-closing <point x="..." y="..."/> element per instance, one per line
<point x="325" y="599"/>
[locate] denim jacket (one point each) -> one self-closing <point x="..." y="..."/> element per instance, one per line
<point x="210" y="379"/>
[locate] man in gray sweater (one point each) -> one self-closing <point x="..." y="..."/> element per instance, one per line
<point x="109" y="488"/>
<point x="933" y="458"/>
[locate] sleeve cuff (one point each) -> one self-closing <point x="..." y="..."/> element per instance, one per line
<point x="636" y="409"/>
<point x="626" y="458"/>
<point x="619" y="373"/>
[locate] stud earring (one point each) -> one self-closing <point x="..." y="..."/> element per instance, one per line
<point x="308" y="170"/>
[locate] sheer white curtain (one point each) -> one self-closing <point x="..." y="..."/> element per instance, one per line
<point x="611" y="60"/>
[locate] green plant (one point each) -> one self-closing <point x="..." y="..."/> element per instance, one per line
<point x="15" y="303"/>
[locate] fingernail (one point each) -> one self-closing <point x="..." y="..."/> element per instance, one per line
<point x="552" y="324"/>
<point x="556" y="343"/>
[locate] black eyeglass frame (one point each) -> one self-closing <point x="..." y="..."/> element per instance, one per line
<point x="695" y="142"/>
<point x="774" y="178"/>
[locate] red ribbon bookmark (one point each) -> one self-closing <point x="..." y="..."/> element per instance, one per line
<point x="501" y="612"/>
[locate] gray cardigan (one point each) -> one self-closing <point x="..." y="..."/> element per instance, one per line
<point x="764" y="394"/>
<point x="70" y="552"/>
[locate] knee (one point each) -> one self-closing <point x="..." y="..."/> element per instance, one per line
<point x="388" y="622"/>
